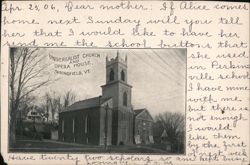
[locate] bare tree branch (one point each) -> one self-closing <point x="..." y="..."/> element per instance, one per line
<point x="69" y="98"/>
<point x="173" y="123"/>
<point x="26" y="76"/>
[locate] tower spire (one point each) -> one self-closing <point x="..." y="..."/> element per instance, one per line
<point x="117" y="54"/>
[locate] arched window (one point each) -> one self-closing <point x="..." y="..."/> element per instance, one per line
<point x="73" y="125"/>
<point x="87" y="125"/>
<point x="125" y="99"/>
<point x="62" y="125"/>
<point x="122" y="75"/>
<point x="111" y="75"/>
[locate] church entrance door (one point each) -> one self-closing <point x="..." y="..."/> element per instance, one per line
<point x="124" y="135"/>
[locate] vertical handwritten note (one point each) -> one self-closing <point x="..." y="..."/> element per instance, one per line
<point x="216" y="35"/>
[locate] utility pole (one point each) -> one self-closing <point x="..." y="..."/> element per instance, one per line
<point x="47" y="109"/>
<point x="21" y="123"/>
<point x="106" y="127"/>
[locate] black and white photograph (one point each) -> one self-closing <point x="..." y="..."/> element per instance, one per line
<point x="97" y="100"/>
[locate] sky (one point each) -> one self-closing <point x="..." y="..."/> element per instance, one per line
<point x="156" y="75"/>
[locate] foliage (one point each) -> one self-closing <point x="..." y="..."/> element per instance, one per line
<point x="174" y="125"/>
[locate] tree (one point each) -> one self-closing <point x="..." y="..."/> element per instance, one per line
<point x="27" y="70"/>
<point x="25" y="105"/>
<point x="53" y="102"/>
<point x="69" y="98"/>
<point x="46" y="105"/>
<point x="174" y="125"/>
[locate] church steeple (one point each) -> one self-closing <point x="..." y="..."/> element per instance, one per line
<point x="119" y="90"/>
<point x="117" y="54"/>
<point x="117" y="81"/>
<point x="116" y="69"/>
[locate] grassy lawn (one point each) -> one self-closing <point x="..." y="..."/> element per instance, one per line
<point x="34" y="145"/>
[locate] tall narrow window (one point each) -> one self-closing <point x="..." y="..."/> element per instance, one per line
<point x="122" y="75"/>
<point x="111" y="75"/>
<point x="62" y="126"/>
<point x="87" y="124"/>
<point x="125" y="99"/>
<point x="73" y="125"/>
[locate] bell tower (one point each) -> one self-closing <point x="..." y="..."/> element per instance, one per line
<point x="116" y="69"/>
<point x="119" y="90"/>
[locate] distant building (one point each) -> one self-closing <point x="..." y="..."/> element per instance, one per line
<point x="161" y="137"/>
<point x="158" y="130"/>
<point x="143" y="127"/>
<point x="35" y="116"/>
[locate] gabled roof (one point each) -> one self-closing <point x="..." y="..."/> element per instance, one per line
<point x="140" y="112"/>
<point x="105" y="99"/>
<point x="84" y="104"/>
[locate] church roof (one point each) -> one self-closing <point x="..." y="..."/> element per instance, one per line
<point x="143" y="113"/>
<point x="138" y="111"/>
<point x="88" y="103"/>
<point x="105" y="99"/>
<point x="83" y="104"/>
